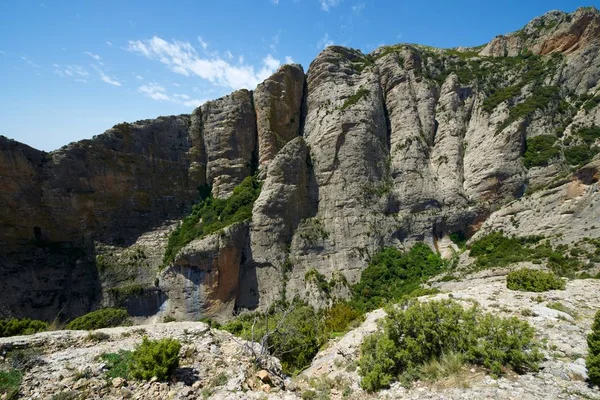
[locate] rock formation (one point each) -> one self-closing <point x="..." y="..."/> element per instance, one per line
<point x="405" y="144"/>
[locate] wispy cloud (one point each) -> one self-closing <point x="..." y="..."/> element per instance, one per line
<point x="276" y="2"/>
<point x="289" y="60"/>
<point x="109" y="43"/>
<point x="107" y="79"/>
<point x="94" y="56"/>
<point x="202" y="42"/>
<point x="28" y="61"/>
<point x="182" y="58"/>
<point x="327" y="5"/>
<point x="158" y="92"/>
<point x="275" y="42"/>
<point x="324" y="42"/>
<point x="3" y="53"/>
<point x="357" y="8"/>
<point x="78" y="73"/>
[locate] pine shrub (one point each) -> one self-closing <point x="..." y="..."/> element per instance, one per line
<point x="24" y="326"/>
<point x="593" y="358"/>
<point x="155" y="358"/>
<point x="531" y="280"/>
<point x="422" y="333"/>
<point x="103" y="318"/>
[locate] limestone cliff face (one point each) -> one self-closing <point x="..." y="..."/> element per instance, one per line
<point x="405" y="144"/>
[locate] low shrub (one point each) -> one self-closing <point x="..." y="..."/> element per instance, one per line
<point x="530" y="280"/>
<point x="155" y="358"/>
<point x="10" y="382"/>
<point x="424" y="332"/>
<point x="103" y="318"/>
<point x="593" y="358"/>
<point x="24" y="326"/>
<point x="117" y="364"/>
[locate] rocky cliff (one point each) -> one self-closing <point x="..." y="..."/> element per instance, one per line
<point x="408" y="143"/>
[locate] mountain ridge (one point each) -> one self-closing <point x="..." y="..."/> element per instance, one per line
<point x="405" y="144"/>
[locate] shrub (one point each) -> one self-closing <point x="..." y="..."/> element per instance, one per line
<point x="339" y="317"/>
<point x="392" y="274"/>
<point x="117" y="364"/>
<point x="10" y="381"/>
<point x="530" y="280"/>
<point x="424" y="332"/>
<point x="155" y="358"/>
<point x="103" y="318"/>
<point x="580" y="154"/>
<point x="212" y="215"/>
<point x="293" y="333"/>
<point x="593" y="359"/>
<point x="25" y="326"/>
<point x="540" y="150"/>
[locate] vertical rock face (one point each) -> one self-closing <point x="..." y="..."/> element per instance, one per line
<point x="346" y="132"/>
<point x="229" y="134"/>
<point x="278" y="103"/>
<point x="405" y="144"/>
<point x="204" y="279"/>
<point x="283" y="202"/>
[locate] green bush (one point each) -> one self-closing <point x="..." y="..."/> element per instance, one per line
<point x="295" y="342"/>
<point x="392" y="274"/>
<point x="355" y="98"/>
<point x="580" y="154"/>
<point x="117" y="364"/>
<point x="530" y="280"/>
<point x="24" y="326"/>
<point x="424" y="332"/>
<point x="155" y="358"/>
<point x="103" y="318"/>
<point x="339" y="317"/>
<point x="593" y="358"/>
<point x="10" y="382"/>
<point x="213" y="214"/>
<point x="540" y="150"/>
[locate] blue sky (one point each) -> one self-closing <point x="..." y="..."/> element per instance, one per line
<point x="72" y="69"/>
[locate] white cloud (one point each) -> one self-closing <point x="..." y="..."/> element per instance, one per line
<point x="275" y="42"/>
<point x="71" y="71"/>
<point x="357" y="8"/>
<point x="289" y="60"/>
<point x="324" y="42"/>
<point x="182" y="58"/>
<point x="154" y="91"/>
<point x="176" y="84"/>
<point x="138" y="76"/>
<point x="326" y="5"/>
<point x="202" y="42"/>
<point x="229" y="55"/>
<point x="276" y="2"/>
<point x="158" y="92"/>
<point x="28" y="61"/>
<point x="109" y="43"/>
<point x="3" y="53"/>
<point x="94" y="56"/>
<point x="105" y="78"/>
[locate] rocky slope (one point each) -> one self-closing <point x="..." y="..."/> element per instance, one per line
<point x="408" y="143"/>
<point x="216" y="365"/>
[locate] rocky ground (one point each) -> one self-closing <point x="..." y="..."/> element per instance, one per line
<point x="216" y="365"/>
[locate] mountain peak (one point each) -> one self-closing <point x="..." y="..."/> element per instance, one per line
<point x="553" y="32"/>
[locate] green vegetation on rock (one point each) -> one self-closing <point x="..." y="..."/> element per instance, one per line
<point x="213" y="214"/>
<point x="10" y="382"/>
<point x="151" y="358"/>
<point x="355" y="98"/>
<point x="155" y="358"/>
<point x="530" y="280"/>
<point x="24" y="326"/>
<point x="424" y="332"/>
<point x="593" y="358"/>
<point x="540" y="150"/>
<point x="103" y="318"/>
<point x="392" y="274"/>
